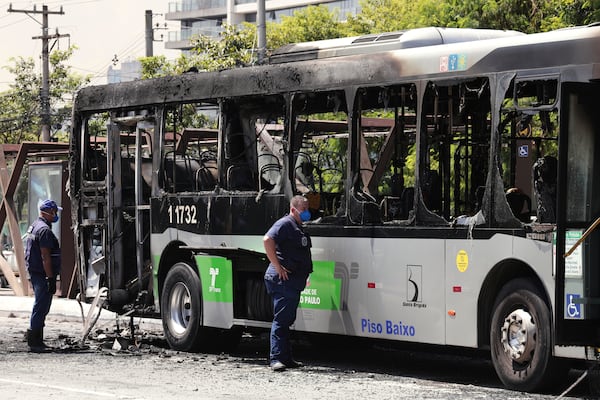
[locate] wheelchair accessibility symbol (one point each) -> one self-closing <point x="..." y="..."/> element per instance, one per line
<point x="573" y="309"/>
<point x="524" y="151"/>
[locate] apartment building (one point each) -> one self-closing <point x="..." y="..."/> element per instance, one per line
<point x="208" y="16"/>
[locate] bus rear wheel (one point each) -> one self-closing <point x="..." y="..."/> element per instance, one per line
<point x="521" y="337"/>
<point x="181" y="308"/>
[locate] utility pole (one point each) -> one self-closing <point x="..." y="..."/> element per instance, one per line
<point x="149" y="34"/>
<point x="261" y="28"/>
<point x="45" y="91"/>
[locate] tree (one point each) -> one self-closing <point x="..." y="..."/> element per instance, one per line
<point x="157" y="66"/>
<point x="235" y="47"/>
<point x="20" y="105"/>
<point x="306" y="25"/>
<point x="526" y="16"/>
<point x="573" y="12"/>
<point x="378" y="16"/>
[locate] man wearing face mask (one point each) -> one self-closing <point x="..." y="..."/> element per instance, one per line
<point x="288" y="249"/>
<point x="42" y="254"/>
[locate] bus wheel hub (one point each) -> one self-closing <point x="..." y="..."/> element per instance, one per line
<point x="519" y="335"/>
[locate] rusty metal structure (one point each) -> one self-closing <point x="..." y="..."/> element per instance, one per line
<point x="13" y="161"/>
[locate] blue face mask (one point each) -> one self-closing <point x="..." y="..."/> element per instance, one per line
<point x="54" y="218"/>
<point x="305" y="215"/>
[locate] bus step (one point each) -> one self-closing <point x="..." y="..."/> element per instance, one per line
<point x="251" y="323"/>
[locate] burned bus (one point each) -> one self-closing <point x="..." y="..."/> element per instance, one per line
<point x="450" y="175"/>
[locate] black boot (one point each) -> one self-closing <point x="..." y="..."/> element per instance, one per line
<point x="42" y="341"/>
<point x="35" y="341"/>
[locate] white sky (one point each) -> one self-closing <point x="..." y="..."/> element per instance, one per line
<point x="100" y="28"/>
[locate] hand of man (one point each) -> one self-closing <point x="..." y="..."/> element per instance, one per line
<point x="51" y="285"/>
<point x="282" y="272"/>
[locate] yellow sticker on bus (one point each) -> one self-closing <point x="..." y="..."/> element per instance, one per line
<point x="462" y="260"/>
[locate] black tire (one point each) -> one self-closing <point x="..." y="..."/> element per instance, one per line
<point x="521" y="338"/>
<point x="181" y="308"/>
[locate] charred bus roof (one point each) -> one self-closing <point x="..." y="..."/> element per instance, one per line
<point x="369" y="44"/>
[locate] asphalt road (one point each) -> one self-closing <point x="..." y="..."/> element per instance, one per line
<point x="142" y="367"/>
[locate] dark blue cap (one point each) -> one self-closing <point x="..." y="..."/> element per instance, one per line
<point x="49" y="205"/>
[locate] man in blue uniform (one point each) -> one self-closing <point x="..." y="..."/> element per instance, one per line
<point x="288" y="248"/>
<point x="43" y="264"/>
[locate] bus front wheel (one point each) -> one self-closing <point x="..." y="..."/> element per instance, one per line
<point x="181" y="308"/>
<point x="521" y="337"/>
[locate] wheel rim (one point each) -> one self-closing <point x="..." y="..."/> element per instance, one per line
<point x="180" y="309"/>
<point x="519" y="336"/>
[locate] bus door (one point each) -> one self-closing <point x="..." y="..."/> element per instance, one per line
<point x="577" y="259"/>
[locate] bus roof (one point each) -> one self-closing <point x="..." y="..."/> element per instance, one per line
<point x="547" y="51"/>
<point x="376" y="43"/>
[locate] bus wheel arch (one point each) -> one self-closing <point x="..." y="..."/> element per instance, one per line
<point x="498" y="277"/>
<point x="521" y="337"/>
<point x="171" y="255"/>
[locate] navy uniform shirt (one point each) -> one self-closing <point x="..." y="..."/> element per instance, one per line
<point x="292" y="246"/>
<point x="40" y="235"/>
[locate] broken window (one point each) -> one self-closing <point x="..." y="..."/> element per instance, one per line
<point x="387" y="148"/>
<point x="454" y="153"/>
<point x="529" y="148"/>
<point x="320" y="143"/>
<point x="190" y="150"/>
<point x="252" y="155"/>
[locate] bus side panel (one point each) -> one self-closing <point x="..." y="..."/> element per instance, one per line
<point x="540" y="256"/>
<point x="467" y="264"/>
<point x="217" y="291"/>
<point x="405" y="291"/>
<point x="389" y="289"/>
<point x="350" y="265"/>
<point x="324" y="300"/>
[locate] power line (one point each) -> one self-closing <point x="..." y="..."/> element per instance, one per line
<point x="132" y="49"/>
<point x="45" y="92"/>
<point x="125" y="52"/>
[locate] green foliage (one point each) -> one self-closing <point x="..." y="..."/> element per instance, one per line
<point x="306" y="25"/>
<point x="156" y="66"/>
<point x="234" y="48"/>
<point x="392" y="15"/>
<point x="159" y="66"/>
<point x="20" y="105"/>
<point x="573" y="12"/>
<point x="236" y="45"/>
<point x="526" y="16"/>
